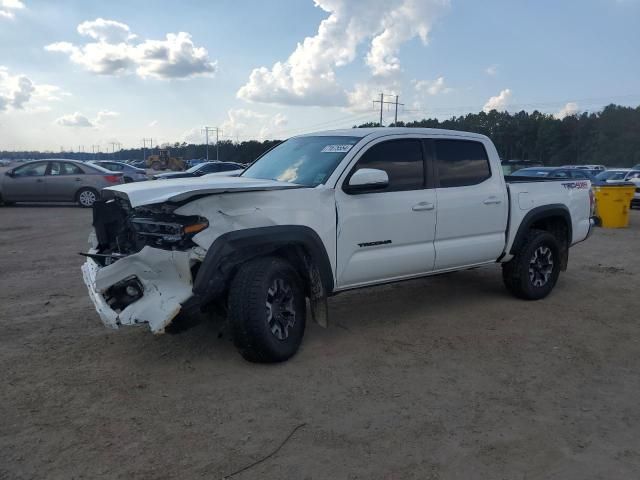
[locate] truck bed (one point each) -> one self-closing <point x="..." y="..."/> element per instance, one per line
<point x="529" y="193"/>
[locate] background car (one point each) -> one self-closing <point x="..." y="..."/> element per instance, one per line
<point x="201" y="169"/>
<point x="194" y="161"/>
<point x="554" y="172"/>
<point x="592" y="169"/>
<point x="618" y="175"/>
<point x="129" y="172"/>
<point x="56" y="181"/>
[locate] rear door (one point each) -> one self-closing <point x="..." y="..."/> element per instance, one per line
<point x="64" y="179"/>
<point x="472" y="205"/>
<point x="26" y="184"/>
<point x="386" y="234"/>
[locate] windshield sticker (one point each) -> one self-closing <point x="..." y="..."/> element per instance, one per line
<point x="337" y="148"/>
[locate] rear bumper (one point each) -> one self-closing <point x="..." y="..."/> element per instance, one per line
<point x="165" y="277"/>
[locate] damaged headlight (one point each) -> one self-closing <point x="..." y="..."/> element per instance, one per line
<point x="168" y="230"/>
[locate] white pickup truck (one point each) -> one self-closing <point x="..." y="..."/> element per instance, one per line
<point x="320" y="214"/>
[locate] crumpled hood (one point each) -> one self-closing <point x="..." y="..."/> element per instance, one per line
<point x="178" y="190"/>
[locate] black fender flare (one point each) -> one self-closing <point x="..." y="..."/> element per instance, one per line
<point x="231" y="249"/>
<point x="556" y="210"/>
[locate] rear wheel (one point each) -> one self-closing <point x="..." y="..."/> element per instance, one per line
<point x="534" y="271"/>
<point x="128" y="180"/>
<point x="267" y="310"/>
<point x="86" y="197"/>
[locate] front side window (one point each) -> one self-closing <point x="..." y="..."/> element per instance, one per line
<point x="31" y="170"/>
<point x="560" y="174"/>
<point x="401" y="159"/>
<point x="307" y="161"/>
<point x="461" y="162"/>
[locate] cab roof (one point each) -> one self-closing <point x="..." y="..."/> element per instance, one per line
<point x="376" y="132"/>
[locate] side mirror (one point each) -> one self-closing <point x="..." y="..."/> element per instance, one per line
<point x="9" y="173"/>
<point x="367" y="179"/>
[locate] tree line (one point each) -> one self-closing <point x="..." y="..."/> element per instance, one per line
<point x="610" y="137"/>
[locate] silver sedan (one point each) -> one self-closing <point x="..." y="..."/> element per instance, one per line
<point x="129" y="172"/>
<point x="56" y="181"/>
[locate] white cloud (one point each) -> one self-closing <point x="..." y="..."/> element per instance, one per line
<point x="409" y="19"/>
<point x="153" y="123"/>
<point x="241" y="122"/>
<point x="568" y="110"/>
<point x="116" y="51"/>
<point x="77" y="119"/>
<point x="108" y="31"/>
<point x="74" y="120"/>
<point x="499" y="102"/>
<point x="103" y="115"/>
<point x="7" y="8"/>
<point x="435" y="87"/>
<point x="308" y="76"/>
<point x="491" y="70"/>
<point x="17" y="91"/>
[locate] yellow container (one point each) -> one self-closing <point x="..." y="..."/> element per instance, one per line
<point x="613" y="203"/>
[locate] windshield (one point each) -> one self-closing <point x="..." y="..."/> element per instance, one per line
<point x="610" y="175"/>
<point x="531" y="172"/>
<point x="306" y="161"/>
<point x="197" y="167"/>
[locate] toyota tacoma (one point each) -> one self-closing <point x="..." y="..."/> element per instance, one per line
<point x="320" y="214"/>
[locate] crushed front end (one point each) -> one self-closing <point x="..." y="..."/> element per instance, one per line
<point x="141" y="263"/>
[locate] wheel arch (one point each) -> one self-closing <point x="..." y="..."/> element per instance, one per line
<point x="555" y="219"/>
<point x="298" y="244"/>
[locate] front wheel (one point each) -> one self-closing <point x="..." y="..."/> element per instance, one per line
<point x="267" y="310"/>
<point x="534" y="271"/>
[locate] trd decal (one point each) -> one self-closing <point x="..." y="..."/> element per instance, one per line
<point x="579" y="185"/>
<point x="373" y="244"/>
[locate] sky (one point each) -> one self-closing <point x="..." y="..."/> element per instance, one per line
<point x="97" y="75"/>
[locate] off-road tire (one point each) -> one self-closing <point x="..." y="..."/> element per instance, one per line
<point x="516" y="273"/>
<point x="80" y="197"/>
<point x="249" y="295"/>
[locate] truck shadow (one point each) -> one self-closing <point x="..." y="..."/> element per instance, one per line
<point x="361" y="311"/>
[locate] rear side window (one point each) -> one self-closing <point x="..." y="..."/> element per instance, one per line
<point x="461" y="162"/>
<point x="401" y="159"/>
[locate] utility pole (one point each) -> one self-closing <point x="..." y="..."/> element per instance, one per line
<point x="144" y="148"/>
<point x="93" y="150"/>
<point x="383" y="102"/>
<point x="206" y="131"/>
<point x="80" y="151"/>
<point x="113" y="148"/>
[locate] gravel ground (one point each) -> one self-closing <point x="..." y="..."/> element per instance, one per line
<point x="440" y="378"/>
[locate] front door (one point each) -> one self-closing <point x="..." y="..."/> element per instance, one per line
<point x="386" y="234"/>
<point x="26" y="184"/>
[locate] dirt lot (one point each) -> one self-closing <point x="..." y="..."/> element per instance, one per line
<point x="438" y="378"/>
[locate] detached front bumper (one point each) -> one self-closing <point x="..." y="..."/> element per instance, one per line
<point x="165" y="278"/>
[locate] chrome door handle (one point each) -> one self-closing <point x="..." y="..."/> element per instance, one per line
<point x="492" y="201"/>
<point x="423" y="206"/>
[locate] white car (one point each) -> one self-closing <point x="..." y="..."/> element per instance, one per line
<point x="321" y="214"/>
<point x="615" y="175"/>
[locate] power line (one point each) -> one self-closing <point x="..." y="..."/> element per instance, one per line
<point x="383" y="102"/>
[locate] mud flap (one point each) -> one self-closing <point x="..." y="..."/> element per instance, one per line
<point x="317" y="294"/>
